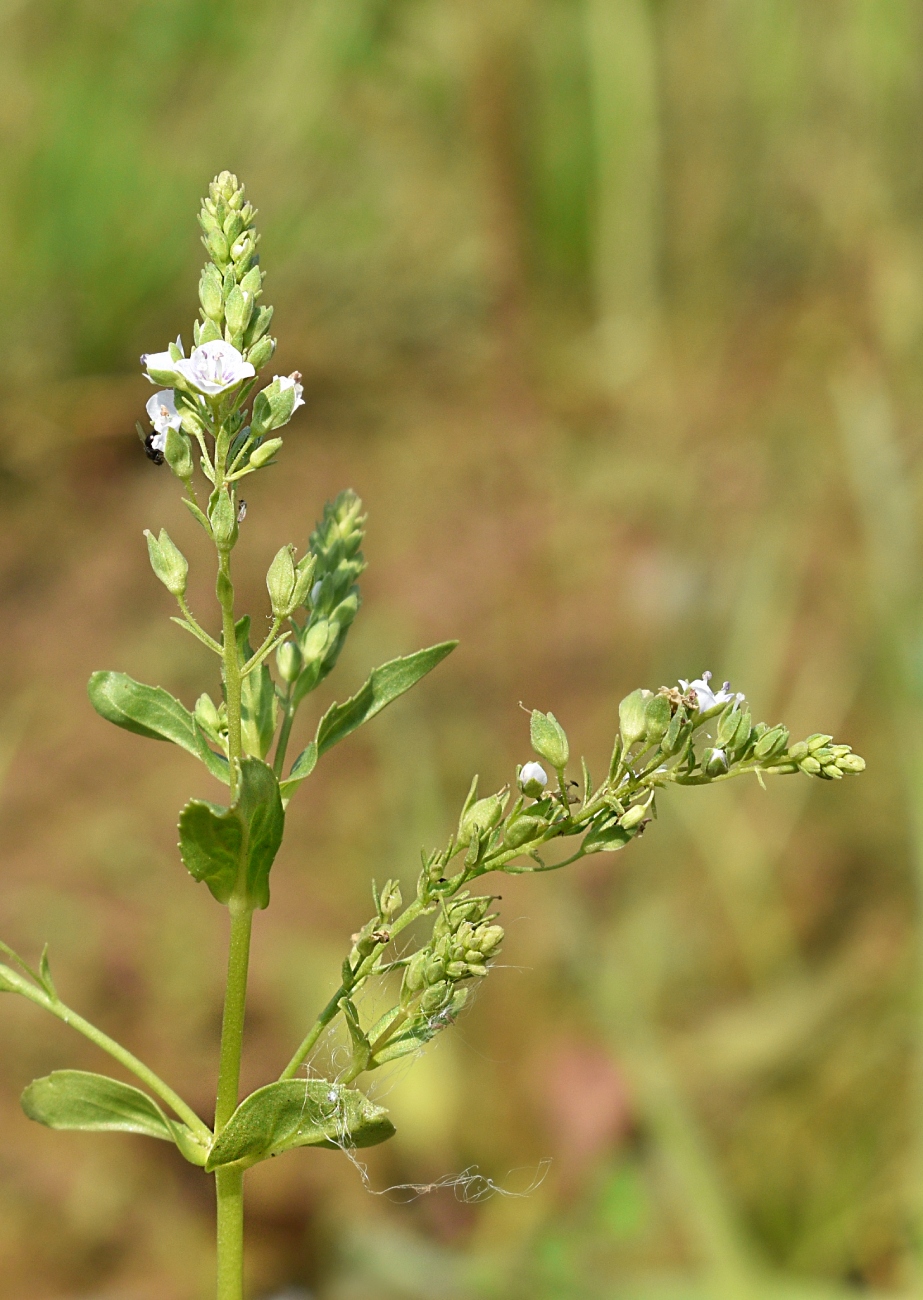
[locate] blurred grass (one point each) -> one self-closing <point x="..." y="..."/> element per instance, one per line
<point x="613" y="312"/>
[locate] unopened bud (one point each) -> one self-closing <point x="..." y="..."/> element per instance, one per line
<point x="522" y="830"/>
<point x="482" y="816"/>
<point x="549" y="740"/>
<point x="168" y="562"/>
<point x="851" y="763"/>
<point x="264" y="453"/>
<point x="210" y="293"/>
<point x="532" y="779"/>
<point x="657" y="718"/>
<point x="222" y="516"/>
<point x="817" y="741"/>
<point x="237" y="310"/>
<point x="633" y="817"/>
<point x="771" y="743"/>
<point x="261" y="351"/>
<point x="280" y="581"/>
<point x="714" y="762"/>
<point x="633" y="717"/>
<point x="288" y="661"/>
<point x="391" y="899"/>
<point x="177" y="452"/>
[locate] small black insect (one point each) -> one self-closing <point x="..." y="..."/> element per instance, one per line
<point x="153" y="453"/>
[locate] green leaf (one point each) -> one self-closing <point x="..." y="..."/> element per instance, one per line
<point x="302" y="767"/>
<point x="232" y="849"/>
<point x="93" y="1103"/>
<point x="606" y="837"/>
<point x="384" y="684"/>
<point x="259" y="706"/>
<point x="298" y="1113"/>
<point x="153" y="712"/>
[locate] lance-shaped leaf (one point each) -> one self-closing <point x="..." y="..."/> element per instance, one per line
<point x="93" y="1103"/>
<point x="384" y="684"/>
<point x="298" y="1113"/>
<point x="153" y="712"/>
<point x="232" y="849"/>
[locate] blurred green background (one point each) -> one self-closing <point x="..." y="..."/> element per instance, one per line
<point x="612" y="311"/>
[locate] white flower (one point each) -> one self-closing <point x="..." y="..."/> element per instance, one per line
<point x="160" y="363"/>
<point x="707" y="698"/>
<point x="214" y="367"/>
<point x="532" y="779"/>
<point x="291" y="381"/>
<point x="162" y="411"/>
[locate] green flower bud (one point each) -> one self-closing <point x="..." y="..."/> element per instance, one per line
<point x="633" y="817"/>
<point x="850" y="763"/>
<point x="280" y="581"/>
<point x="633" y="717"/>
<point x="304" y="576"/>
<point x="237" y="311"/>
<point x="264" y="453"/>
<point x="771" y="743"/>
<point x="177" y="452"/>
<point x="210" y="295"/>
<point x="522" y="830"/>
<point x="435" y="997"/>
<point x="208" y="717"/>
<point x="317" y="639"/>
<point x="549" y="740"/>
<point x="259" y="324"/>
<point x="168" y="562"/>
<point x="715" y="762"/>
<point x="798" y="751"/>
<point x="482" y="816"/>
<point x="810" y="765"/>
<point x="274" y="405"/>
<point x="223" y="518"/>
<point x="817" y="741"/>
<point x="217" y="247"/>
<point x="261" y="351"/>
<point x="677" y="734"/>
<point x="414" y="979"/>
<point x="657" y="718"/>
<point x="489" y="938"/>
<point x="288" y="661"/>
<point x="456" y="970"/>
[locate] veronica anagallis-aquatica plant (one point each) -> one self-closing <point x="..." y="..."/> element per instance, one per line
<point x="211" y="417"/>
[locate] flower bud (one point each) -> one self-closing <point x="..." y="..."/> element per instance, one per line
<point x="217" y="247"/>
<point x="288" y="661"/>
<point x="223" y="518"/>
<point x="532" y="779"/>
<point x="210" y="293"/>
<point x="798" y="751"/>
<point x="275" y="404"/>
<point x="488" y="939"/>
<point x="304" y="577"/>
<point x="208" y="717"/>
<point x="264" y="453"/>
<point x="657" y="718"/>
<point x="522" y="830"/>
<point x="549" y="740"/>
<point x="259" y="323"/>
<point x="851" y="763"/>
<point x="435" y="997"/>
<point x="817" y="741"/>
<point x="633" y="717"/>
<point x="280" y="581"/>
<point x="261" y="351"/>
<point x="237" y="310"/>
<point x="715" y="762"/>
<point x="168" y="562"/>
<point x="677" y="735"/>
<point x="316" y="641"/>
<point x="810" y="765"/>
<point x="633" y="817"/>
<point x="771" y="743"/>
<point x="482" y="816"/>
<point x="177" y="452"/>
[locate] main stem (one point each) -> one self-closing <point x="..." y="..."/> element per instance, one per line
<point x="229" y="1182"/>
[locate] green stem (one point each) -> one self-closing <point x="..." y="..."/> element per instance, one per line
<point x="120" y="1054"/>
<point x="232" y="1025"/>
<point x="229" y="1182"/>
<point x="229" y="1189"/>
